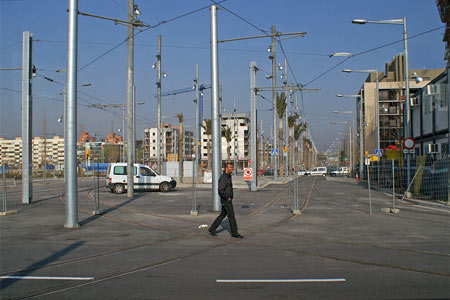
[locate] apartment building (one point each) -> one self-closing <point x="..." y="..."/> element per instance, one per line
<point x="49" y="151"/>
<point x="170" y="136"/>
<point x="239" y="148"/>
<point x="392" y="99"/>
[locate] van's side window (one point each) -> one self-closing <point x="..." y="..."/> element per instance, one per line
<point x="145" y="172"/>
<point x="122" y="170"/>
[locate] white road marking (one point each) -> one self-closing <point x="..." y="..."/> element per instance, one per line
<point x="47" y="278"/>
<point x="279" y="280"/>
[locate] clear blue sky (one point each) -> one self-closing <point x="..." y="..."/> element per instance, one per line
<point x="186" y="43"/>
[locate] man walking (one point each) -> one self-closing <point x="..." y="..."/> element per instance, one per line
<point x="226" y="197"/>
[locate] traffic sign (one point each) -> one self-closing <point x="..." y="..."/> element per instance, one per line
<point x="274" y="152"/>
<point x="409" y="143"/>
<point x="248" y="174"/>
<point x="379" y="152"/>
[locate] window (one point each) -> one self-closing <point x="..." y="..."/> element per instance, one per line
<point x="146" y="172"/>
<point x="122" y="170"/>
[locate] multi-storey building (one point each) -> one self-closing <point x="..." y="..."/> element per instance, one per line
<point x="239" y="123"/>
<point x="48" y="151"/>
<point x="391" y="104"/>
<point x="170" y="140"/>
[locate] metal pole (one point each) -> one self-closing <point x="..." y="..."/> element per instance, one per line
<point x="274" y="103"/>
<point x="130" y="84"/>
<point x="123" y="133"/>
<point x="361" y="137"/>
<point x="158" y="83"/>
<point x="286" y="137"/>
<point x="261" y="150"/>
<point x="70" y="149"/>
<point x="194" y="211"/>
<point x="368" y="186"/>
<point x="27" y="117"/>
<point x="134" y="124"/>
<point x="393" y="184"/>
<point x="253" y="121"/>
<point x="377" y="108"/>
<point x="408" y="108"/>
<point x="351" y="150"/>
<point x="215" y="113"/>
<point x="234" y="135"/>
<point x="5" y="208"/>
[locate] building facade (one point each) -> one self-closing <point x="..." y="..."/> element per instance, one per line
<point x="45" y="151"/>
<point x="170" y="140"/>
<point x="391" y="89"/>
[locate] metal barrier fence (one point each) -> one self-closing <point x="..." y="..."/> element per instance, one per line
<point x="429" y="177"/>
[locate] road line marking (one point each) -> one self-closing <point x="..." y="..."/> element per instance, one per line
<point x="279" y="280"/>
<point x="47" y="278"/>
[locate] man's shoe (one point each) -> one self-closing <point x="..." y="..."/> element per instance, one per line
<point x="238" y="236"/>
<point x="212" y="232"/>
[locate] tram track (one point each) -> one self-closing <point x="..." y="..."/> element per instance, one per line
<point x="70" y="285"/>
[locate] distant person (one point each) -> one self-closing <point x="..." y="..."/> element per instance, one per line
<point x="226" y="198"/>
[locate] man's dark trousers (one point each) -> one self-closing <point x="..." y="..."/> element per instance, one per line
<point x="227" y="210"/>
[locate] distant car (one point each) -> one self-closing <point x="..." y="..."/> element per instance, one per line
<point x="340" y="172"/>
<point x="260" y="172"/>
<point x="319" y="171"/>
<point x="303" y="173"/>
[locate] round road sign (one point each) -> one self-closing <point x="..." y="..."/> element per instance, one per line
<point x="248" y="172"/>
<point x="409" y="143"/>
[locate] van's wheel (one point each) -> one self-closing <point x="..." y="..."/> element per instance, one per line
<point x="164" y="187"/>
<point x="118" y="188"/>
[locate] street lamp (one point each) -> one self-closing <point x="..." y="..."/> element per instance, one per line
<point x="405" y="45"/>
<point x="350" y="137"/>
<point x="377" y="100"/>
<point x="407" y="128"/>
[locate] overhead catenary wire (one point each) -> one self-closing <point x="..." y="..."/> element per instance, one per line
<point x="371" y="50"/>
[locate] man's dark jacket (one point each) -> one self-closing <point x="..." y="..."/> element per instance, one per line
<point x="225" y="187"/>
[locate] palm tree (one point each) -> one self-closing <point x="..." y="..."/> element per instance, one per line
<point x="228" y="135"/>
<point x="298" y="130"/>
<point x="291" y="122"/>
<point x="207" y="126"/>
<point x="281" y="109"/>
<point x="181" y="146"/>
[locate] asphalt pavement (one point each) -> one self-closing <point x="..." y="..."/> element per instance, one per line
<point x="150" y="247"/>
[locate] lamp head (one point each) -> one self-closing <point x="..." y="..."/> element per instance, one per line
<point x="359" y="21"/>
<point x="347" y="71"/>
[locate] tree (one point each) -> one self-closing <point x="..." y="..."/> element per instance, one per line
<point x="298" y="130"/>
<point x="207" y="126"/>
<point x="228" y="135"/>
<point x="181" y="145"/>
<point x="291" y="122"/>
<point x="281" y="109"/>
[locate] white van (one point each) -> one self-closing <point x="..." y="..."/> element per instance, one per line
<point x="319" y="171"/>
<point x="144" y="178"/>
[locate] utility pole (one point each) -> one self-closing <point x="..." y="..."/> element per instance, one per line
<point x="194" y="211"/>
<point x="286" y="137"/>
<point x="215" y="112"/>
<point x="70" y="122"/>
<point x="234" y="135"/>
<point x="27" y="116"/>
<point x="274" y="103"/>
<point x="261" y="149"/>
<point x="130" y="105"/>
<point x="253" y="121"/>
<point x="158" y="84"/>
